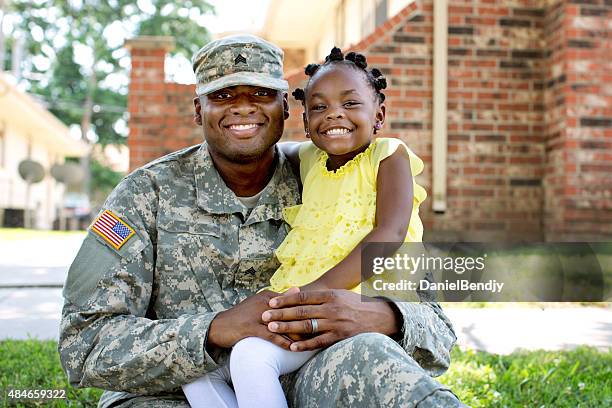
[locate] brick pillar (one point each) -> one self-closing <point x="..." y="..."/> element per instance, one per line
<point x="147" y="97"/>
<point x="578" y="176"/>
<point x="556" y="112"/>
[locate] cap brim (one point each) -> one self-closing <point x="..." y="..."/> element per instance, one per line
<point x="243" y="78"/>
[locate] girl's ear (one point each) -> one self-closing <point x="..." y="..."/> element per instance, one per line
<point x="380" y="113"/>
<point x="306" y="131"/>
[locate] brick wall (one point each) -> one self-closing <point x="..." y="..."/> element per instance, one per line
<point x="161" y="113"/>
<point x="495" y="112"/>
<point x="529" y="112"/>
<point x="587" y="188"/>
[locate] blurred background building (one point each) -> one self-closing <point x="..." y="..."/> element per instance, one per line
<point x="30" y="132"/>
<point x="509" y="104"/>
<point x="308" y="30"/>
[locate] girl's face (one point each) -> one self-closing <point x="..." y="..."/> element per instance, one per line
<point x="341" y="112"/>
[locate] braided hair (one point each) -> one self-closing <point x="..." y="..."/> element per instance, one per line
<point x="374" y="77"/>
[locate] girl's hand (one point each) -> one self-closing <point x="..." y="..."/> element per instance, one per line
<point x="244" y="320"/>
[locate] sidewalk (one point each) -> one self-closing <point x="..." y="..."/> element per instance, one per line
<point x="32" y="273"/>
<point x="37" y="262"/>
<point x="29" y="310"/>
<point x="503" y="330"/>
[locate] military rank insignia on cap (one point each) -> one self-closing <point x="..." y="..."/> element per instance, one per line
<point x="240" y="59"/>
<point x="112" y="229"/>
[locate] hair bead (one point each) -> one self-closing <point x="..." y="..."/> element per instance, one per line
<point x="360" y="61"/>
<point x="299" y="94"/>
<point x="381" y="83"/>
<point x="335" y="55"/>
<point x="311" y="69"/>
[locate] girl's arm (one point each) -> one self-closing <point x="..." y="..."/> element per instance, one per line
<point x="394" y="200"/>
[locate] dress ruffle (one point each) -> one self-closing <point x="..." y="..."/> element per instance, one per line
<point x="347" y="167"/>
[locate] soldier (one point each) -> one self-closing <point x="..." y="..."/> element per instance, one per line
<point x="165" y="282"/>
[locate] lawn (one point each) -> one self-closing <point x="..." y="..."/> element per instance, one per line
<point x="577" y="378"/>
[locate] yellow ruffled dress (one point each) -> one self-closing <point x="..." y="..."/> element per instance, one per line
<point x="337" y="211"/>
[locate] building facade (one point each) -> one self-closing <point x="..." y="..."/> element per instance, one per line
<point x="28" y="131"/>
<point x="528" y="112"/>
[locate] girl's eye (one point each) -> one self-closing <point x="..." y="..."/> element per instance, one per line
<point x="318" y="107"/>
<point x="352" y="103"/>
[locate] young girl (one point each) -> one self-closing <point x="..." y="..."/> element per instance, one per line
<point x="357" y="189"/>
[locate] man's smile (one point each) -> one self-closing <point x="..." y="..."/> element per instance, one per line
<point x="244" y="130"/>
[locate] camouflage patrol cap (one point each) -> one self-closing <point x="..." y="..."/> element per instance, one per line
<point x="238" y="60"/>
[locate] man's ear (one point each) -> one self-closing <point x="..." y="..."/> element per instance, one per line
<point x="197" y="118"/>
<point x="285" y="106"/>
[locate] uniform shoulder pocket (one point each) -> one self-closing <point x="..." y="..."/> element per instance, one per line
<point x="95" y="260"/>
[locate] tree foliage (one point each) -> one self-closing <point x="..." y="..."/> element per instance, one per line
<point x="106" y="179"/>
<point x="75" y="60"/>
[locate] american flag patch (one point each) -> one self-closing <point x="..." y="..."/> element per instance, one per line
<point x="112" y="229"/>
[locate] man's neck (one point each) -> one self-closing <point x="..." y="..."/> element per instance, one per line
<point x="246" y="179"/>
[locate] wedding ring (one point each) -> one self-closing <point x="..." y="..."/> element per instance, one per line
<point x="315" y="325"/>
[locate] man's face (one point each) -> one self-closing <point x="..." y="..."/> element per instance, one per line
<point x="241" y="123"/>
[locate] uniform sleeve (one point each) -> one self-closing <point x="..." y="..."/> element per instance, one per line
<point x="107" y="339"/>
<point x="427" y="335"/>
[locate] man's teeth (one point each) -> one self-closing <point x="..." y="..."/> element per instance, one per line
<point x="337" y="131"/>
<point x="243" y="127"/>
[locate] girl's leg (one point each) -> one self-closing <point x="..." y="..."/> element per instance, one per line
<point x="255" y="365"/>
<point x="212" y="390"/>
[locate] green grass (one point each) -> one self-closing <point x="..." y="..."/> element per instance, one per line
<point x="577" y="378"/>
<point x="31" y="364"/>
<point x="13" y="234"/>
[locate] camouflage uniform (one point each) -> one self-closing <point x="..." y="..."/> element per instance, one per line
<point x="135" y="319"/>
<point x="136" y="315"/>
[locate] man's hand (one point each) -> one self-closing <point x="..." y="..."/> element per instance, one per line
<point x="340" y="314"/>
<point x="244" y="320"/>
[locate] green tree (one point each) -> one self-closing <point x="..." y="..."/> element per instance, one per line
<point x="91" y="92"/>
<point x="106" y="180"/>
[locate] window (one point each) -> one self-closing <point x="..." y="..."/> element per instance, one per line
<point x="2" y="144"/>
<point x="340" y="25"/>
<point x="366" y="18"/>
<point x="380" y="13"/>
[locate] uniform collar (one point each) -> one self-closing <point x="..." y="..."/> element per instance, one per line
<point x="215" y="197"/>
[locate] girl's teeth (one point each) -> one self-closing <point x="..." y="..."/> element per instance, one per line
<point x="337" y="131"/>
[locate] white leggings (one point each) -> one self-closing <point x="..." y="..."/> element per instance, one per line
<point x="255" y="365"/>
